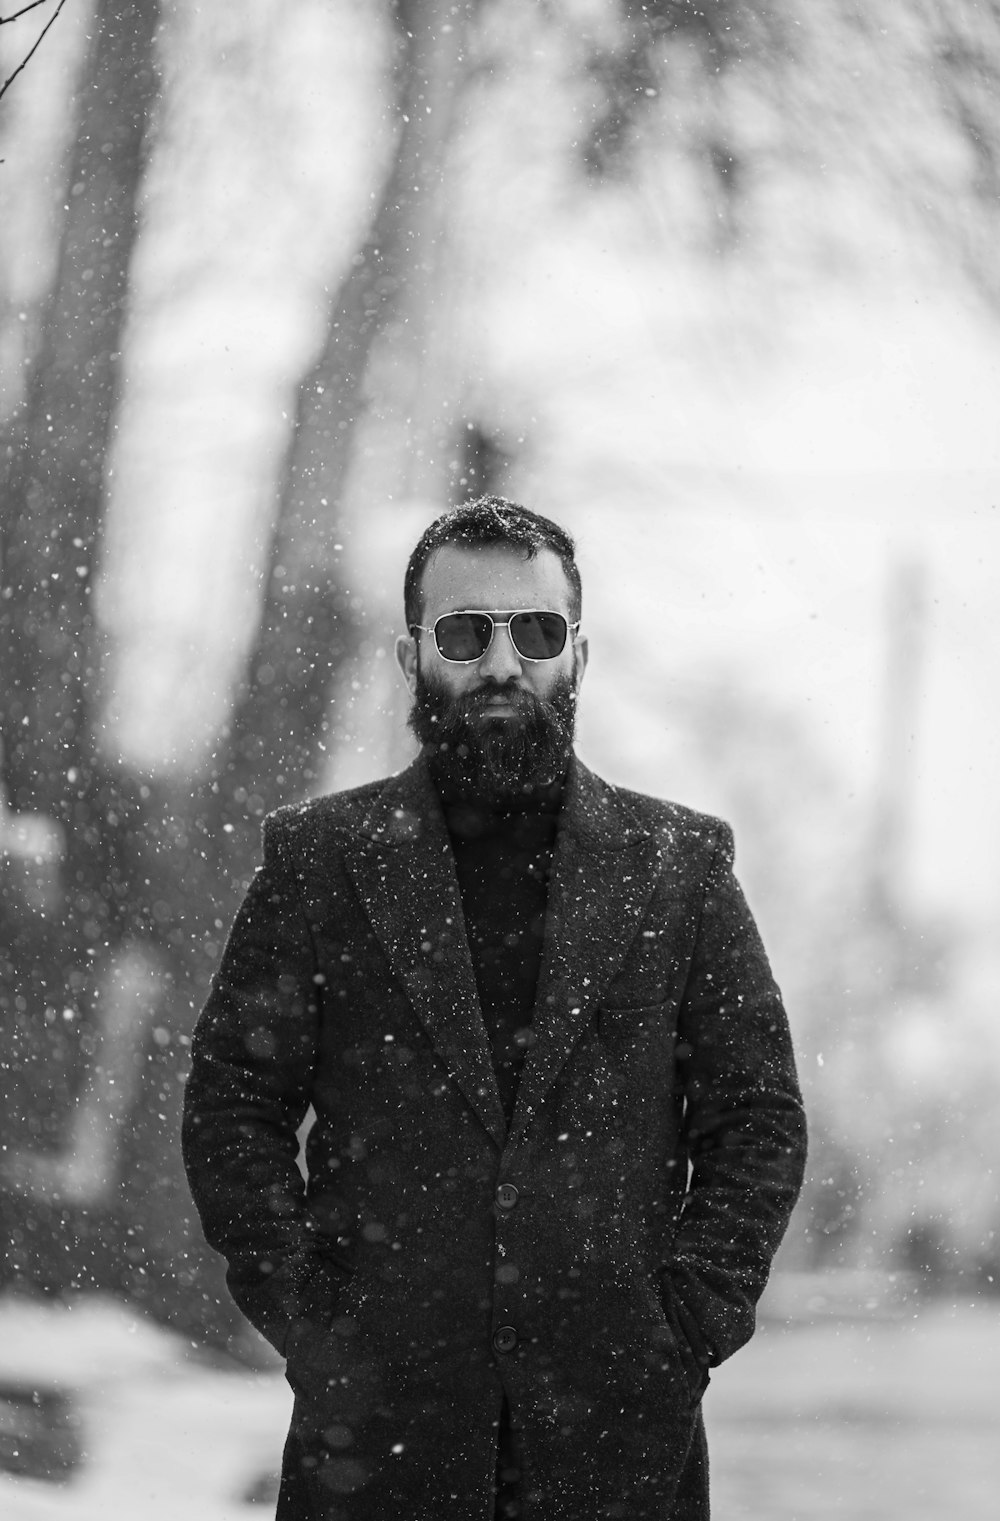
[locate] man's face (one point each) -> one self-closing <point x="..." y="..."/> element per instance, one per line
<point x="500" y="703"/>
<point x="499" y="580"/>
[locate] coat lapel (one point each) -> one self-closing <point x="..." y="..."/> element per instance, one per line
<point x="404" y="870"/>
<point x="603" y="875"/>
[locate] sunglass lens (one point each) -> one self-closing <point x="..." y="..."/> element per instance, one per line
<point x="538" y="636"/>
<point x="463" y="636"/>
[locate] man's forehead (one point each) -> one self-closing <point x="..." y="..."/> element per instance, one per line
<point x="494" y="577"/>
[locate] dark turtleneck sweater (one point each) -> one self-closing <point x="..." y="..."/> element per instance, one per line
<point x="503" y="855"/>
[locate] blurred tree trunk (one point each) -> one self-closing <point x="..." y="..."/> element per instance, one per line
<point x="54" y="464"/>
<point x="64" y="923"/>
<point x="37" y="122"/>
<point x="280" y="728"/>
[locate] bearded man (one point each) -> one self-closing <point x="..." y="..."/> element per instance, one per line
<point x="557" y="1133"/>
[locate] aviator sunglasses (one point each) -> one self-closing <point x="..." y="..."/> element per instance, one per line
<point x="464" y="637"/>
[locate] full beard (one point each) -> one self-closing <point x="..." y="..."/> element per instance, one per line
<point x="489" y="759"/>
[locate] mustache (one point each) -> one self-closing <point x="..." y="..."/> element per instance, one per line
<point x="525" y="704"/>
<point x="456" y="718"/>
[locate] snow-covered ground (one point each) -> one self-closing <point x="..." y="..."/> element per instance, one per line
<point x="889" y="1419"/>
<point x="161" y="1432"/>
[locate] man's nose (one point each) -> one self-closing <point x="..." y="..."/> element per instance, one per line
<point x="501" y="661"/>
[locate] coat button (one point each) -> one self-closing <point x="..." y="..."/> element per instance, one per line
<point x="506" y="1196"/>
<point x="504" y="1339"/>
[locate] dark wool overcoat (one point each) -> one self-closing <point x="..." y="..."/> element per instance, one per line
<point x="591" y="1260"/>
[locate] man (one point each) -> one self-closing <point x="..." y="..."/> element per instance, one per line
<point x="558" y="1133"/>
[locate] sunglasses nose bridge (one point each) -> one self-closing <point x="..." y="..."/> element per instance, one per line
<point x="501" y="654"/>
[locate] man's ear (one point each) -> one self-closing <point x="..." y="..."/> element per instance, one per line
<point x="406" y="658"/>
<point x="582" y="652"/>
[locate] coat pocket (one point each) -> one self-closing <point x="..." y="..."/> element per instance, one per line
<point x="688" y="1342"/>
<point x="320" y="1302"/>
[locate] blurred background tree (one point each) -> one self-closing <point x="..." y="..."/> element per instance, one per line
<point x="389" y="175"/>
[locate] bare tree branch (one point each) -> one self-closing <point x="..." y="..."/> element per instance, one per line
<point x="25" y="61"/>
<point x="22" y="12"/>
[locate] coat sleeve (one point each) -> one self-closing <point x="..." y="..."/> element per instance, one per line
<point x="253" y="1058"/>
<point x="743" y="1120"/>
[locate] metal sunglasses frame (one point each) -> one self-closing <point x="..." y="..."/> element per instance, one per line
<point x="480" y="612"/>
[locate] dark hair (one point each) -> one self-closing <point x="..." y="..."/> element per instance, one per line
<point x="490" y="520"/>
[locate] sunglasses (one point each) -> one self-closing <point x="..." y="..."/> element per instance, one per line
<point x="464" y="637"/>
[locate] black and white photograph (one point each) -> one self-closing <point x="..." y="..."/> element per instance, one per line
<point x="499" y="738"/>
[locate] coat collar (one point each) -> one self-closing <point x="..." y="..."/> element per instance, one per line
<point x="603" y="875"/>
<point x="406" y="809"/>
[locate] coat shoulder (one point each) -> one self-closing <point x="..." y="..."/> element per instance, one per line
<point x="685" y="829"/>
<point x="338" y="812"/>
<point x="655" y="811"/>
